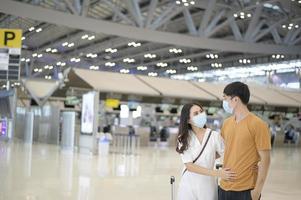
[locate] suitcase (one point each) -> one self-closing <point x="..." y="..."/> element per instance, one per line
<point x="172" y="183"/>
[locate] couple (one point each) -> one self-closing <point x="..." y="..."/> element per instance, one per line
<point x="243" y="143"/>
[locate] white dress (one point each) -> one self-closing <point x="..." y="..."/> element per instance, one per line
<point x="195" y="186"/>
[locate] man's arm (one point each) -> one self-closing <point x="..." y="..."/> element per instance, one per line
<point x="263" y="169"/>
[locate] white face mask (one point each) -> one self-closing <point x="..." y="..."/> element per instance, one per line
<point x="200" y="120"/>
<point x="227" y="107"/>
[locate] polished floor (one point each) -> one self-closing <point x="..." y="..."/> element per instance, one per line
<point x="44" y="172"/>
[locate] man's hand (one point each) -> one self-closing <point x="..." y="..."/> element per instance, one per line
<point x="255" y="195"/>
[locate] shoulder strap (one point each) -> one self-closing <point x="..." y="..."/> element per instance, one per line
<point x="200" y="152"/>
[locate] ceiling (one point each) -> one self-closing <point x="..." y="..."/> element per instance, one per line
<point x="152" y="37"/>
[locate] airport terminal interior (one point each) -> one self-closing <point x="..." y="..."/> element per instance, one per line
<point x="91" y="91"/>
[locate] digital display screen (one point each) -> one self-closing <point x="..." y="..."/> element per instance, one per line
<point x="3" y="127"/>
<point x="87" y="113"/>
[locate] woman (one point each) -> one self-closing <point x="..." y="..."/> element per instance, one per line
<point x="198" y="180"/>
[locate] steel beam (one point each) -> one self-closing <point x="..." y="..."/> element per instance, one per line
<point x="102" y="26"/>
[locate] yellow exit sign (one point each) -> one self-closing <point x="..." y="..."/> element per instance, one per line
<point x="10" y="38"/>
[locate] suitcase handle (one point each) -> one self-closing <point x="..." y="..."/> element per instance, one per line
<point x="172" y="179"/>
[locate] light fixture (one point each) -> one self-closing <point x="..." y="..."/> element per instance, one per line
<point x="71" y="44"/>
<point x="23" y="38"/>
<point x="65" y="44"/>
<point x="161" y="64"/>
<point x="47" y="77"/>
<point x="85" y="36"/>
<point x="244" y="61"/>
<point x="242" y="15"/>
<point x="152" y="74"/>
<point x="176" y="51"/>
<point x="290" y="26"/>
<point x="23" y="59"/>
<point x="129" y="60"/>
<point x="48" y="49"/>
<point x="142" y="68"/>
<point x="186" y="2"/>
<point x="149" y="55"/>
<point x="91" y="37"/>
<point x="192" y="68"/>
<point x="171" y="71"/>
<point x="124" y="71"/>
<point x="134" y="44"/>
<point x="75" y="60"/>
<point x="93" y="67"/>
<point x="39" y="30"/>
<point x="110" y="64"/>
<point x="54" y="50"/>
<point x="27" y="60"/>
<point x="216" y="65"/>
<point x="278" y="56"/>
<point x="211" y="56"/>
<point x="184" y="60"/>
<point x="34" y="55"/>
<point x="31" y="29"/>
<point x="40" y="55"/>
<point x="61" y="64"/>
<point x="110" y="50"/>
<point x="91" y="55"/>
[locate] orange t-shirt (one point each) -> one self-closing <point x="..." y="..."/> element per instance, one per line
<point x="243" y="140"/>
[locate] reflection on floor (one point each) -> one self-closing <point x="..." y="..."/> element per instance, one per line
<point x="44" y="172"/>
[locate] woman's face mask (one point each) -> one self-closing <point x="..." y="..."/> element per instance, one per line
<point x="199" y="120"/>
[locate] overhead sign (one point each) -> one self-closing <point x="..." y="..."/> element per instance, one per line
<point x="10" y="38"/>
<point x="112" y="103"/>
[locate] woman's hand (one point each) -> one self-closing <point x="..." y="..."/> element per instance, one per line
<point x="227" y="174"/>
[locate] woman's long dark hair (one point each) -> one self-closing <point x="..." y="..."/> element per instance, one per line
<point x="185" y="127"/>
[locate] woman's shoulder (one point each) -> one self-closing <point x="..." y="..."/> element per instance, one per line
<point x="215" y="133"/>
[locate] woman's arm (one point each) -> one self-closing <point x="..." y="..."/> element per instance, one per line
<point x="226" y="173"/>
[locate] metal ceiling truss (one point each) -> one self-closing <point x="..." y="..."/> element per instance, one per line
<point x="141" y="20"/>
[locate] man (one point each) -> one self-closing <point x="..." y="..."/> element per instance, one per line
<point x="247" y="142"/>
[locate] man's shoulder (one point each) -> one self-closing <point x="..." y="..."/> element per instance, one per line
<point x="256" y="120"/>
<point x="228" y="120"/>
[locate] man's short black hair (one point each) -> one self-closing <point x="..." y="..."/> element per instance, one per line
<point x="238" y="89"/>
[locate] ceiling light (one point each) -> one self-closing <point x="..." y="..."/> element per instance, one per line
<point x="65" y="44"/>
<point x="152" y="74"/>
<point x="142" y="68"/>
<point x="23" y="38"/>
<point x="192" y="68"/>
<point x="124" y="71"/>
<point x="27" y="60"/>
<point x="94" y="67"/>
<point x="23" y="59"/>
<point x="48" y="49"/>
<point x="184" y="60"/>
<point x="110" y="50"/>
<point x="71" y="44"/>
<point x="40" y="55"/>
<point x="161" y="64"/>
<point x="31" y="29"/>
<point x="150" y="55"/>
<point x="39" y="30"/>
<point x="85" y="36"/>
<point x="129" y="60"/>
<point x="91" y="37"/>
<point x="110" y="64"/>
<point x="176" y="51"/>
<point x="171" y="71"/>
<point x="54" y="51"/>
<point x="34" y="55"/>
<point x="134" y="44"/>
